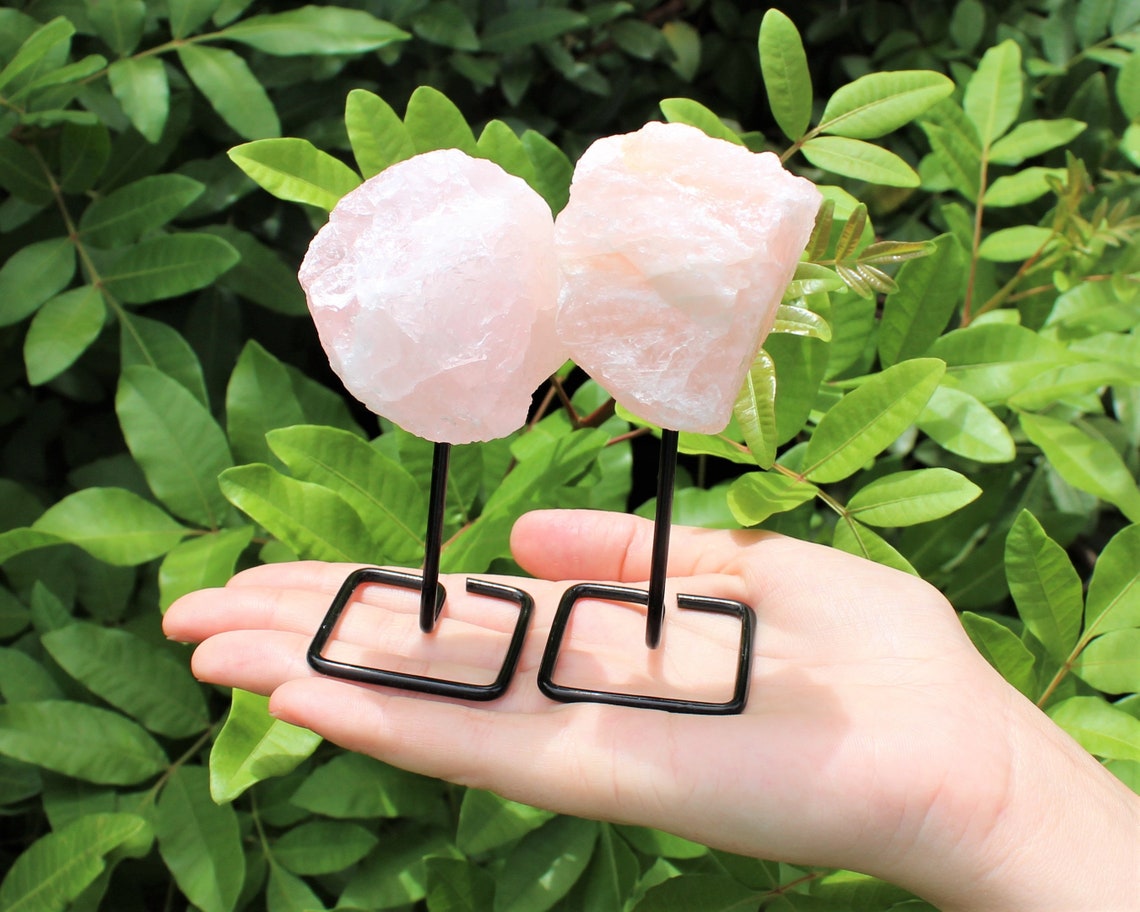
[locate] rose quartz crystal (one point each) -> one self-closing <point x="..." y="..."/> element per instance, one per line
<point x="434" y="288"/>
<point x="675" y="250"/>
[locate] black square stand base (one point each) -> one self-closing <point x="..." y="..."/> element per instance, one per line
<point x="440" y="687"/>
<point x="574" y="594"/>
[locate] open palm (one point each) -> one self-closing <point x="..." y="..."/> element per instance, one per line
<point x="874" y="732"/>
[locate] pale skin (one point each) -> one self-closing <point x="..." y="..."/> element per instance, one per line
<point x="875" y="738"/>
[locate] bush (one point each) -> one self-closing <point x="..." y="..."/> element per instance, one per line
<point x="961" y="401"/>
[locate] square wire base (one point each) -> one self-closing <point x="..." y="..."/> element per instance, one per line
<point x="574" y="594"/>
<point x="420" y="683"/>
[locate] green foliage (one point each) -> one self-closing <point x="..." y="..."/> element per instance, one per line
<point x="951" y="388"/>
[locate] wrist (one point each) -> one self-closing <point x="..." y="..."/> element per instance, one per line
<point x="1066" y="835"/>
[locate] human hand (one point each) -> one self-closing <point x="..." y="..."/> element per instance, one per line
<point x="875" y="737"/>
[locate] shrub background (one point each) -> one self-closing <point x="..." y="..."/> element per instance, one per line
<point x="153" y="339"/>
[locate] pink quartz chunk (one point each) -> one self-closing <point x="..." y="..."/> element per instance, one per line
<point x="675" y="250"/>
<point x="434" y="289"/>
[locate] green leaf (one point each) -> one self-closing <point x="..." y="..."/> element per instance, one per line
<point x="260" y="275"/>
<point x="860" y="160"/>
<point x="81" y="741"/>
<point x="487" y="821"/>
<point x="253" y="746"/>
<point x="286" y="892"/>
<point x="141" y="87"/>
<point x="958" y="422"/>
<point x="693" y="444"/>
<point x="1090" y="20"/>
<point x="545" y="864"/>
<point x="637" y="38"/>
<point x="356" y="786"/>
<point x="1072" y="380"/>
<point x="227" y="82"/>
<point x="1011" y="245"/>
<point x="811" y="278"/>
<point x="167" y="266"/>
<point x="958" y="157"/>
<point x="24" y="680"/>
<point x="257" y="402"/>
<point x="799" y="321"/>
<point x="656" y="843"/>
<point x="434" y="122"/>
<point x="1111" y="663"/>
<point x="56" y="868"/>
<point x="35" y="50"/>
<point x="909" y="498"/>
<point x="62" y="330"/>
<point x="787" y="80"/>
<point x="1099" y="728"/>
<point x="707" y="892"/>
<point x="458" y="885"/>
<point x="755" y="409"/>
<point x="1034" y="137"/>
<point x="395" y="875"/>
<point x="1128" y="86"/>
<point x="186" y="16"/>
<point x="1093" y="308"/>
<point x="1087" y="463"/>
<point x="126" y="214"/>
<point x="499" y="143"/>
<point x="377" y="135"/>
<point x="855" y="538"/>
<point x="916" y="313"/>
<point x="380" y="490"/>
<point x="296" y="171"/>
<point x="119" y="23"/>
<point x="313" y="521"/>
<point x="200" y="841"/>
<point x="84" y="152"/>
<point x="1045" y="586"/>
<point x="552" y="169"/>
<point x="684" y="42"/>
<point x="322" y="846"/>
<point x="1114" y="590"/>
<point x="520" y="28"/>
<point x="446" y="24"/>
<point x="695" y="114"/>
<point x="1023" y="187"/>
<point x="611" y="877"/>
<point x="315" y="29"/>
<point x="22" y="174"/>
<point x="868" y="419"/>
<point x="113" y="525"/>
<point x="992" y="361"/>
<point x="20" y="541"/>
<point x="154" y="344"/>
<point x="801" y="363"/>
<point x="1003" y="649"/>
<point x="203" y="562"/>
<point x="993" y="95"/>
<point x="755" y="497"/>
<point x="176" y="443"/>
<point x="32" y="275"/>
<point x="879" y="103"/>
<point x="122" y="669"/>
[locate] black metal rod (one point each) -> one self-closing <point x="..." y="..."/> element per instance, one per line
<point x="662" y="524"/>
<point x="430" y="605"/>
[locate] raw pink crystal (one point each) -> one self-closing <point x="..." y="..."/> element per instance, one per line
<point x="434" y="288"/>
<point x="675" y="250"/>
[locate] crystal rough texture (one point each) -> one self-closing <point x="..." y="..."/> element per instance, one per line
<point x="675" y="250"/>
<point x="434" y="288"/>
